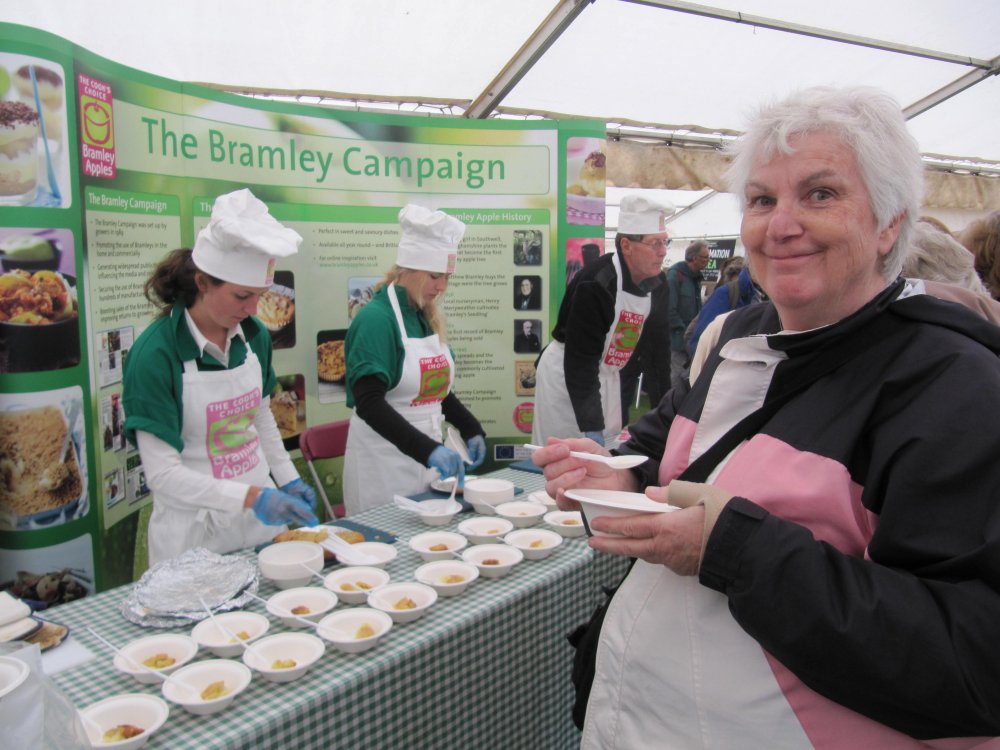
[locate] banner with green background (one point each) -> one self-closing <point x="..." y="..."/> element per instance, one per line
<point x="104" y="169"/>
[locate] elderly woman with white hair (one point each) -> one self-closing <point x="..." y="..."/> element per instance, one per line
<point x="831" y="577"/>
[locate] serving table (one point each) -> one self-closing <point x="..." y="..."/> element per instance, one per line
<point x="488" y="668"/>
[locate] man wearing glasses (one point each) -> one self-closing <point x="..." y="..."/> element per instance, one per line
<point x="601" y="319"/>
<point x="684" y="303"/>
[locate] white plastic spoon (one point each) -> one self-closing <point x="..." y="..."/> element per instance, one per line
<point x="311" y="572"/>
<point x="441" y="509"/>
<point x="222" y="628"/>
<point x="615" y="462"/>
<point x="343" y="550"/>
<point x="140" y="665"/>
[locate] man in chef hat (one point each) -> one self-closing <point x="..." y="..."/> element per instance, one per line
<point x="400" y="373"/>
<point x="197" y="387"/>
<point x="601" y="319"/>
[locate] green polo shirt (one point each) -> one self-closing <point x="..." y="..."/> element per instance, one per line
<point x="373" y="345"/>
<point x="153" y="393"/>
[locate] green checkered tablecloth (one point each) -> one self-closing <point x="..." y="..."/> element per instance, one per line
<point x="487" y="669"/>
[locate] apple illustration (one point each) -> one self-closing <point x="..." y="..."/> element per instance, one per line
<point x="97" y="123"/>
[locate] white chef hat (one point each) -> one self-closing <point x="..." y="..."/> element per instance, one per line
<point x="641" y="215"/>
<point x="429" y="241"/>
<point x="242" y="241"/>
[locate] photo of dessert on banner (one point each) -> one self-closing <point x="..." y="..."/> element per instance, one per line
<point x="586" y="179"/>
<point x="33" y="132"/>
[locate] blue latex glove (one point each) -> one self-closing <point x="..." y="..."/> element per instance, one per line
<point x="596" y="435"/>
<point x="477" y="450"/>
<point x="448" y="463"/>
<point x="300" y="489"/>
<point x="276" y="508"/>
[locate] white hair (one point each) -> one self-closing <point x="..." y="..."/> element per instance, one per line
<point x="871" y="124"/>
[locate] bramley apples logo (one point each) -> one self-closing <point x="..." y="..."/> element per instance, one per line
<point x="97" y="127"/>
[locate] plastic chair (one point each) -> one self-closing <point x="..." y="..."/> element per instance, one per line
<point x="324" y="441"/>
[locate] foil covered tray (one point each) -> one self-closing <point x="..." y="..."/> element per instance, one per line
<point x="167" y="595"/>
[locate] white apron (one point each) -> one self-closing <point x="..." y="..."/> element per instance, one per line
<point x="554" y="415"/>
<point x="374" y="469"/>
<point x="220" y="441"/>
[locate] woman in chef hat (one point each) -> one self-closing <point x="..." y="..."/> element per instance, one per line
<point x="400" y="373"/>
<point x="196" y="391"/>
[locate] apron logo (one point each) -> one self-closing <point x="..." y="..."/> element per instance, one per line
<point x="231" y="446"/>
<point x="435" y="375"/>
<point x="624" y="339"/>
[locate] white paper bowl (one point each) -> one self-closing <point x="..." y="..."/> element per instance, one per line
<point x="481" y="530"/>
<point x="340" y="628"/>
<point x="199" y="676"/>
<point x="352" y="577"/>
<point x="209" y="636"/>
<point x="422" y="543"/>
<point x="282" y="563"/>
<point x="381" y="554"/>
<point x="148" y="712"/>
<point x="485" y="493"/>
<point x="388" y="598"/>
<point x="433" y="516"/>
<point x="521" y="513"/>
<point x="180" y="647"/>
<point x="597" y="503"/>
<point x="535" y="544"/>
<point x="13" y="672"/>
<point x="568" y="523"/>
<point x="435" y="574"/>
<point x="304" y="649"/>
<point x="506" y="556"/>
<point x="319" y="602"/>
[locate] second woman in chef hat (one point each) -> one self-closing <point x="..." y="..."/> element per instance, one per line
<point x="196" y="391"/>
<point x="400" y="373"/>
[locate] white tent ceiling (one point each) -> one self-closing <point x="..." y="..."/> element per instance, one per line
<point x="669" y="70"/>
<point x="619" y="61"/>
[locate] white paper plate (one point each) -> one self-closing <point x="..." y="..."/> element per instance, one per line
<point x="12" y="673"/>
<point x="635" y="502"/>
<point x="596" y="503"/>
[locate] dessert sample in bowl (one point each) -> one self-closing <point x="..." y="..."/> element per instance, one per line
<point x="447" y="577"/>
<point x="355" y="630"/>
<point x="124" y="722"/>
<point x="164" y="652"/>
<point x="223" y="634"/>
<point x="352" y="584"/>
<point x="535" y="544"/>
<point x="493" y="560"/>
<point x="521" y="513"/>
<point x="309" y="602"/>
<point x="284" y="657"/>
<point x="207" y="687"/>
<point x="437" y="545"/>
<point x="403" y="602"/>
<point x="482" y="530"/>
<point x="568" y="523"/>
